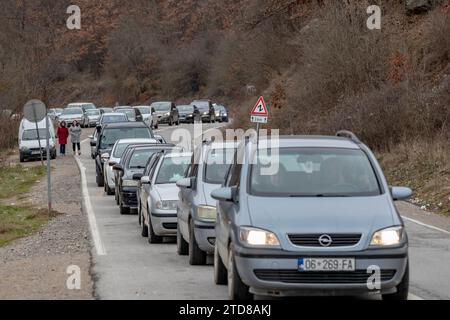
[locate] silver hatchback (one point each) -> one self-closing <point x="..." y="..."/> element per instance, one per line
<point x="323" y="222"/>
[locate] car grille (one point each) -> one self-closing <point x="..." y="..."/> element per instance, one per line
<point x="339" y="277"/>
<point x="169" y="225"/>
<point x="312" y="240"/>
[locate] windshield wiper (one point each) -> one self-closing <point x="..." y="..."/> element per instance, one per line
<point x="320" y="195"/>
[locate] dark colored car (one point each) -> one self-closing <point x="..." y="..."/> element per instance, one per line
<point x="107" y="137"/>
<point x="221" y="113"/>
<point x="188" y="113"/>
<point x="166" y="111"/>
<point x="206" y="109"/>
<point x="133" y="162"/>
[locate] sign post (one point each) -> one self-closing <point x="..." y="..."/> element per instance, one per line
<point x="35" y="111"/>
<point x="259" y="114"/>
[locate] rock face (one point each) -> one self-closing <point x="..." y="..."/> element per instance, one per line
<point x="417" y="6"/>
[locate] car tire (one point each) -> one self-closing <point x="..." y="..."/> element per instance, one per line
<point x="197" y="257"/>
<point x="237" y="290"/>
<point x="220" y="272"/>
<point x="402" y="289"/>
<point x="152" y="237"/>
<point x="21" y="158"/>
<point x="182" y="245"/>
<point x="144" y="232"/>
<point x="123" y="210"/>
<point x="108" y="190"/>
<point x="99" y="180"/>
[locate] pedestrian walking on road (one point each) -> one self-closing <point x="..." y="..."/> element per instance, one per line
<point x="75" y="136"/>
<point x="62" y="134"/>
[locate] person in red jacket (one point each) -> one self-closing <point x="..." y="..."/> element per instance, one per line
<point x="62" y="133"/>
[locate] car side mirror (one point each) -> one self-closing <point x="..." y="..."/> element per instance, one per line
<point x="401" y="193"/>
<point x="93" y="143"/>
<point x="224" y="194"/>
<point x="139" y="118"/>
<point x="91" y="137"/>
<point x="185" y="183"/>
<point x="117" y="167"/>
<point x="112" y="163"/>
<point x="137" y="176"/>
<point x="145" y="180"/>
<point x="99" y="128"/>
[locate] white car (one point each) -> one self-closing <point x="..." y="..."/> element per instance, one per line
<point x="147" y="116"/>
<point x="114" y="158"/>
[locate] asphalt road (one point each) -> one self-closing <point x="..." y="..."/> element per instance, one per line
<point x="125" y="266"/>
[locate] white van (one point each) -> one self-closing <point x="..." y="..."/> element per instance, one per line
<point x="29" y="143"/>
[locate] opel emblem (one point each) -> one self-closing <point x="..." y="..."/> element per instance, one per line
<point x="325" y="240"/>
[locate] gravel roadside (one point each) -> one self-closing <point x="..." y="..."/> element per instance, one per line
<point x="35" y="267"/>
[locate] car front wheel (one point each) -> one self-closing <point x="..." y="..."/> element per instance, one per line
<point x="220" y="272"/>
<point x="182" y="245"/>
<point x="196" y="255"/>
<point x="237" y="290"/>
<point x="152" y="237"/>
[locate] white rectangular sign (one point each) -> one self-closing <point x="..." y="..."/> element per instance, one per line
<point x="258" y="119"/>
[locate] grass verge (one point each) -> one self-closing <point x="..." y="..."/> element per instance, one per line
<point x="15" y="180"/>
<point x="18" y="222"/>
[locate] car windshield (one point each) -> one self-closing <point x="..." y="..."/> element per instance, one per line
<point x="313" y="172"/>
<point x="144" y="110"/>
<point x="185" y="108"/>
<point x="107" y="109"/>
<point x="217" y="164"/>
<point x="111" y="135"/>
<point x="172" y="169"/>
<point x="201" y="105"/>
<point x="139" y="158"/>
<point x="161" y="106"/>
<point x="72" y="111"/>
<point x="114" y="118"/>
<point x="119" y="150"/>
<point x="219" y="108"/>
<point x="32" y="134"/>
<point x="93" y="112"/>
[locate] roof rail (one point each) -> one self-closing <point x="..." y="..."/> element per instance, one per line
<point x="349" y="135"/>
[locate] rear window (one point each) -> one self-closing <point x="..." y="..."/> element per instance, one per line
<point x="217" y="164"/>
<point x="114" y="118"/>
<point x="172" y="169"/>
<point x="110" y="136"/>
<point x="314" y="172"/>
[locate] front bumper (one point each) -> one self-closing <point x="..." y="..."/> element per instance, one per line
<point x="35" y="154"/>
<point x="205" y="234"/>
<point x="275" y="272"/>
<point x="163" y="119"/>
<point x="129" y="197"/>
<point x="164" y="224"/>
<point x="186" y="118"/>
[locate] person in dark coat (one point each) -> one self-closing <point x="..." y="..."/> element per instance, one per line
<point x="62" y="133"/>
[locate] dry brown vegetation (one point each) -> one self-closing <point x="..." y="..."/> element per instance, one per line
<point x="315" y="61"/>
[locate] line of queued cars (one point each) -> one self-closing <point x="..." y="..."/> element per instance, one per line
<point x="313" y="215"/>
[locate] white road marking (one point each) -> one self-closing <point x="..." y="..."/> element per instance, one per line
<point x="99" y="247"/>
<point x="426" y="225"/>
<point x="414" y="297"/>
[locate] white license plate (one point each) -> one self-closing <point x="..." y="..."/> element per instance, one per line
<point x="326" y="264"/>
<point x="35" y="152"/>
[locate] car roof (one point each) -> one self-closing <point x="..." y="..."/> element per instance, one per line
<point x="113" y="114"/>
<point x="127" y="124"/>
<point x="79" y="103"/>
<point x="136" y="140"/>
<point x="311" y="141"/>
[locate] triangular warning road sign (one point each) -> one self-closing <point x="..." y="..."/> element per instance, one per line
<point x="260" y="108"/>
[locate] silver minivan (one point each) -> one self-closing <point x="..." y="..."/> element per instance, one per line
<point x="196" y="209"/>
<point x="321" y="221"/>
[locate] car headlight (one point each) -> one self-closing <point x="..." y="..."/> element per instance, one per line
<point x="167" y="114"/>
<point x="205" y="112"/>
<point x="206" y="213"/>
<point x="24" y="149"/>
<point x="387" y="237"/>
<point x="258" y="237"/>
<point x="166" y="204"/>
<point x="225" y="114"/>
<point x="129" y="183"/>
